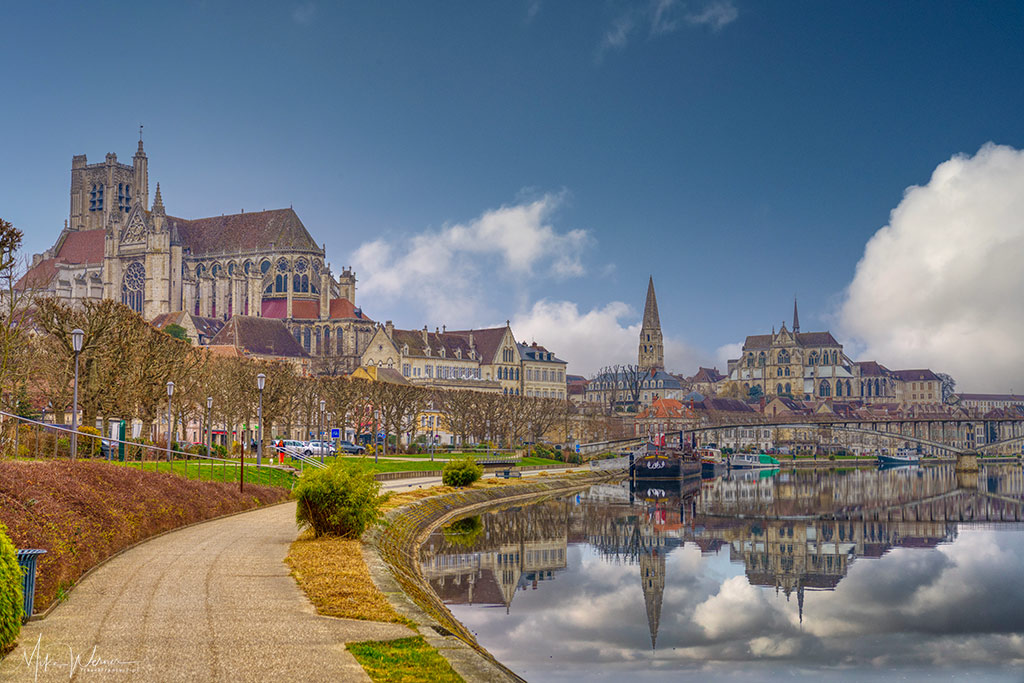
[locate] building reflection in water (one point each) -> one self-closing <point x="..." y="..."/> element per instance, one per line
<point x="795" y="531"/>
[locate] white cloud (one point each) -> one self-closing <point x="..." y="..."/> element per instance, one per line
<point x="662" y="17"/>
<point x="442" y="270"/>
<point x="594" y="339"/>
<point x="716" y="14"/>
<point x="940" y="286"/>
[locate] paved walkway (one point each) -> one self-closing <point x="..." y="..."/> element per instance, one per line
<point x="214" y="602"/>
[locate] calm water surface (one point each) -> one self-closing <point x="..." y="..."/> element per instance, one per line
<point x="911" y="574"/>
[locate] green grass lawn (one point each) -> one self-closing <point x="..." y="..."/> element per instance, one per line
<point x="406" y="660"/>
<point x="218" y="471"/>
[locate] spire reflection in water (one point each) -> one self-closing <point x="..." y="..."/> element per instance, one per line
<point x="857" y="574"/>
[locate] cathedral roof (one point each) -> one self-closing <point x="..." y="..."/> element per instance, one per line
<point x="76" y="248"/>
<point x="306" y="309"/>
<point x="764" y="341"/>
<point x="870" y="368"/>
<point x="261" y="336"/>
<point x="243" y="232"/>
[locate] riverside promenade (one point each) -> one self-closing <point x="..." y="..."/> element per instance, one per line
<point x="213" y="602"/>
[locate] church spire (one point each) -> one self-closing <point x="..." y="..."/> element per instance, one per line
<point x="651" y="352"/>
<point x="651" y="307"/>
<point x="652" y="581"/>
<point x="796" y="318"/>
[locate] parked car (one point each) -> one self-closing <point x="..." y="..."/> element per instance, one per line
<point x="291" y="447"/>
<point x="318" y="448"/>
<point x="349" y="447"/>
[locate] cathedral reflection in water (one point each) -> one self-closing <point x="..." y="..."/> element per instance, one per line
<point x="794" y="531"/>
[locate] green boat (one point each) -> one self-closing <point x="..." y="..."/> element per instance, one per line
<point x="745" y="461"/>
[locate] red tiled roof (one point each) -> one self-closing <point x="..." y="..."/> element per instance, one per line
<point x="665" y="408"/>
<point x="274" y="308"/>
<point x="78" y="247"/>
<point x="303" y="309"/>
<point x="243" y="232"/>
<point x="82" y="246"/>
<point x="343" y="309"/>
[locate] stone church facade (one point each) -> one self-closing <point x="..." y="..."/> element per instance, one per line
<point x="115" y="245"/>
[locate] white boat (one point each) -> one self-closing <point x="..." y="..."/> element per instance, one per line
<point x="751" y="460"/>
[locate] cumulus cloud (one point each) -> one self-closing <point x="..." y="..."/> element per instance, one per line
<point x="593" y="339"/>
<point x="441" y="270"/>
<point x="939" y="286"/>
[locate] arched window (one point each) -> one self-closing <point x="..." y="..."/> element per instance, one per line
<point x="133" y="286"/>
<point x="813" y="358"/>
<point x="877" y="387"/>
<point x="848" y="392"/>
<point x="316" y="337"/>
<point x="783" y="357"/>
<point x="215" y="270"/>
<point x="761" y="359"/>
<point x="839" y="389"/>
<point x="824" y="389"/>
<point x="787" y="372"/>
<point x="305" y="283"/>
<point x="296" y="284"/>
<point x="197" y="300"/>
<point x="778" y="389"/>
<point x="789" y="390"/>
<point x="247" y="267"/>
<point x="306" y="339"/>
<point x="338" y="341"/>
<point x="327" y="341"/>
<point x="265" y="267"/>
<point x="200" y="270"/>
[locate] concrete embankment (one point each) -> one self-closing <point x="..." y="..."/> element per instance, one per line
<point x="393" y="558"/>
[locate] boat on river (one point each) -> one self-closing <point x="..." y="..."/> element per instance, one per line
<point x="741" y="461"/>
<point x="902" y="456"/>
<point x="711" y="461"/>
<point x="658" y="462"/>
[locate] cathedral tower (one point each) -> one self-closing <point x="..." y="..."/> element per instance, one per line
<point x="651" y="354"/>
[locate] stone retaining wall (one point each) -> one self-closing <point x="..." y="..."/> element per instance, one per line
<point x="397" y="541"/>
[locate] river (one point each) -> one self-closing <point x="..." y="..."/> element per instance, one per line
<point x="913" y="573"/>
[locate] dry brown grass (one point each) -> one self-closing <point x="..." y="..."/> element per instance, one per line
<point x="333" y="574"/>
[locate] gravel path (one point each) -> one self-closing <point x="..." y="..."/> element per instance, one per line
<point x="213" y="602"/>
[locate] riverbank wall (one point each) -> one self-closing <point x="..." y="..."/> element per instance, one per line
<point x="392" y="554"/>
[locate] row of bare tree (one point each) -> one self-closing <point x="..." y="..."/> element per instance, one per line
<point x="125" y="365"/>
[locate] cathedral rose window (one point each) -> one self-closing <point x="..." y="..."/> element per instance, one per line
<point x="133" y="286"/>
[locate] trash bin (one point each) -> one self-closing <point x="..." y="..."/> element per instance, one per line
<point x="27" y="560"/>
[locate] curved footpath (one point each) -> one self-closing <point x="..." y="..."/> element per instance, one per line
<point x="213" y="602"/>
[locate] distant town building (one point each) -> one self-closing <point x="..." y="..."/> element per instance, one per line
<point x="488" y="359"/>
<point x="986" y="402"/>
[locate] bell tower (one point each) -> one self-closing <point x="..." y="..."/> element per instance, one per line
<point x="651" y="353"/>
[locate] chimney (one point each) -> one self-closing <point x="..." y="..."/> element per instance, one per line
<point x="389" y="328"/>
<point x="425" y="341"/>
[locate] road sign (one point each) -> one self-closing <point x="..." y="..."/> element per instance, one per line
<point x="577" y="448"/>
<point x="335" y="433"/>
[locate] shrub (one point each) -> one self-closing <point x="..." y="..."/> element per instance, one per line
<point x="11" y="609"/>
<point x="461" y="472"/>
<point x="832" y="456"/>
<point x="341" y="500"/>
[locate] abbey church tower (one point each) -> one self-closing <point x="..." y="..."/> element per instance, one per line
<point x="651" y="354"/>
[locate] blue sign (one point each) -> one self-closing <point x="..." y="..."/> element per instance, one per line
<point x="335" y="433"/>
<point x="577" y="448"/>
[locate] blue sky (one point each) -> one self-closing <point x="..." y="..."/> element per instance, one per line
<point x="740" y="152"/>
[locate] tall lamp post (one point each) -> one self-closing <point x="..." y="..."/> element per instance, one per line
<point x="261" y="380"/>
<point x="170" y="426"/>
<point x="320" y="435"/>
<point x="209" y="426"/>
<point x="77" y="335"/>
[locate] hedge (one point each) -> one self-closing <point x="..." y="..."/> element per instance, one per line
<point x="11" y="610"/>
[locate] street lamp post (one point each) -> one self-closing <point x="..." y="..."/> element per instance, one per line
<point x="375" y="413"/>
<point x="170" y="425"/>
<point x="209" y="426"/>
<point x="77" y="335"/>
<point x="261" y="380"/>
<point x="320" y="434"/>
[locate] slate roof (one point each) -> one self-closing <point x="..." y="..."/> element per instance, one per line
<point x="921" y="375"/>
<point x="870" y="368"/>
<point x="487" y="341"/>
<point x="449" y="341"/>
<point x="534" y="351"/>
<point x="243" y="232"/>
<point x="261" y="336"/>
<point x="991" y="397"/>
<point x="208" y="327"/>
<point x="764" y="341"/>
<point x="707" y="375"/>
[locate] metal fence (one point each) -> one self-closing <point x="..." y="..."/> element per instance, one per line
<point x="24" y="438"/>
